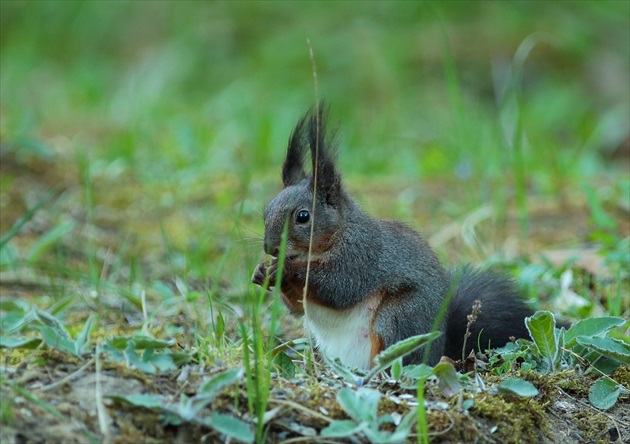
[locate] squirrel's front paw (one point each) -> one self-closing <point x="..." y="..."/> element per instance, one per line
<point x="265" y="271"/>
<point x="260" y="272"/>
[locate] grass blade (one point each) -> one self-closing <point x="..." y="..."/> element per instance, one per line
<point x="17" y="226"/>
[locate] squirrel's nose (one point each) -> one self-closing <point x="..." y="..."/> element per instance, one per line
<point x="270" y="249"/>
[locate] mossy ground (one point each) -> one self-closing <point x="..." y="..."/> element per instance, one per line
<point x="306" y="404"/>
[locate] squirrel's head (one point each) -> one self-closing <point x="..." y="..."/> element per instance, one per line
<point x="294" y="204"/>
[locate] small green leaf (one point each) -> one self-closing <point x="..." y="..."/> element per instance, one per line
<point x="163" y="361"/>
<point x="113" y="353"/>
<point x="285" y="364"/>
<point x="219" y="328"/>
<point x="604" y="393"/>
<point x="14" y="305"/>
<point x="138" y="352"/>
<point x="397" y="369"/>
<point x="141" y="400"/>
<point x="342" y="370"/>
<point x="142" y="342"/>
<point x="541" y="326"/>
<point x="179" y="358"/>
<point x="403" y="348"/>
<point x="360" y="405"/>
<point x="417" y="371"/>
<point x="138" y="342"/>
<point x="15" y="320"/>
<point x="405" y="425"/>
<point x="43" y="244"/>
<point x="400" y="349"/>
<point x="231" y="426"/>
<point x="606" y="366"/>
<point x="61" y="304"/>
<point x="12" y="342"/>
<point x="188" y="408"/>
<point x="609" y="347"/>
<point x="169" y="360"/>
<point x="375" y="435"/>
<point x="467" y="404"/>
<point x="591" y="327"/>
<point x="53" y="339"/>
<point x="8" y="256"/>
<point x="51" y="321"/>
<point x="400" y="435"/>
<point x="84" y="336"/>
<point x="518" y="387"/>
<point x="599" y="216"/>
<point x="448" y="382"/>
<point x="133" y="360"/>
<point x="118" y="342"/>
<point x="343" y="428"/>
<point x="213" y="385"/>
<point x="17" y="226"/>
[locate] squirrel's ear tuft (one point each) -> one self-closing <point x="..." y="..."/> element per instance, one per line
<point x="293" y="167"/>
<point x="323" y="154"/>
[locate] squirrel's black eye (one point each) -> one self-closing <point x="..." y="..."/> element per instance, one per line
<point x="302" y="217"/>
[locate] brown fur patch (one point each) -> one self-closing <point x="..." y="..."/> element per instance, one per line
<point x="293" y="301"/>
<point x="375" y="339"/>
<point x="377" y="345"/>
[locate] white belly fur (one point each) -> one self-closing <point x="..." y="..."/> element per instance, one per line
<point x="344" y="334"/>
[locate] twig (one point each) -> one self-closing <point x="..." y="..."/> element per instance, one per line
<point x="472" y="317"/>
<point x="308" y="439"/>
<point x="440" y="432"/>
<point x="315" y="161"/>
<point x="103" y="418"/>
<point x="145" y="316"/>
<point x="66" y="378"/>
<point x="52" y="410"/>
<point x="296" y="406"/>
<point x="612" y="418"/>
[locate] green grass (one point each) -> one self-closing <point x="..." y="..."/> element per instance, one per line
<point x="495" y="128"/>
<point x="193" y="104"/>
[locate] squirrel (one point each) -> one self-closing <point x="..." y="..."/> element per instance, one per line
<point x="371" y="282"/>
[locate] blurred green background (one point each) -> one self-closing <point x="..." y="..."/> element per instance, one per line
<point x="163" y="125"/>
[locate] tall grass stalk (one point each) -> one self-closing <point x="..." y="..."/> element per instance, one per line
<point x="443" y="310"/>
<point x="217" y="321"/>
<point x="520" y="180"/>
<point x="511" y="111"/>
<point x="17" y="226"/>
<point x="315" y="162"/>
<point x="86" y="167"/>
<point x="614" y="305"/>
<point x="259" y="375"/>
<point x="422" y="429"/>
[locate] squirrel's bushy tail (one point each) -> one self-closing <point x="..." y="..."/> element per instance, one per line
<point x="502" y="315"/>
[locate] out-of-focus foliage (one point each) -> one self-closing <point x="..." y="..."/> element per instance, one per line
<point x="167" y="87"/>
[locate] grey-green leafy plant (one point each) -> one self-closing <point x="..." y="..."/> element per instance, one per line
<point x="258" y="372"/>
<point x="587" y="345"/>
<point x="191" y="409"/>
<point x="7" y="254"/>
<point x="588" y="339"/>
<point x="362" y="407"/>
<point x="517" y="387"/>
<point x="388" y="357"/>
<point x="144" y="353"/>
<point x="20" y="320"/>
<point x="20" y="317"/>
